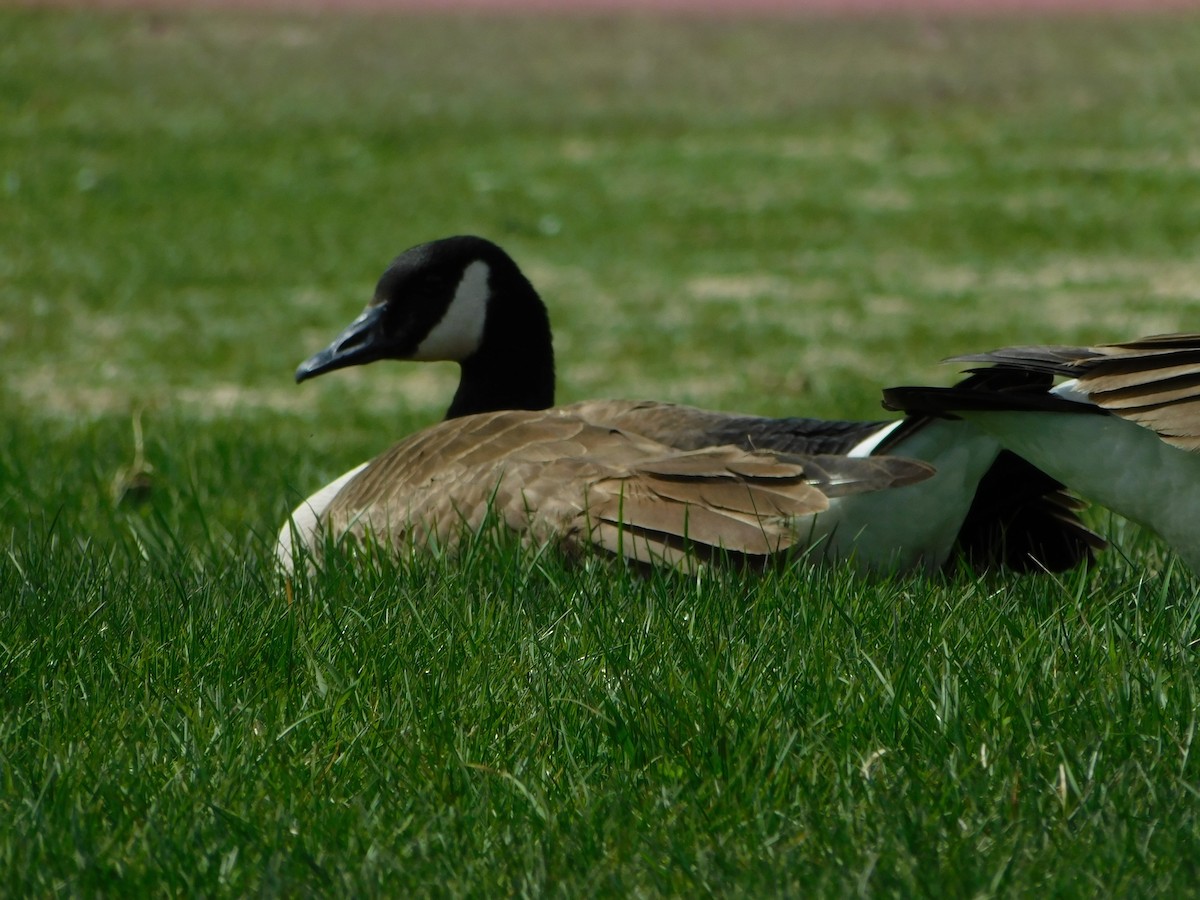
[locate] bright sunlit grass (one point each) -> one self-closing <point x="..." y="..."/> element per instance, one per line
<point x="777" y="217"/>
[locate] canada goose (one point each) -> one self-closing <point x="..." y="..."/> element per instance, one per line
<point x="555" y="477"/>
<point x="887" y="494"/>
<point x="1123" y="430"/>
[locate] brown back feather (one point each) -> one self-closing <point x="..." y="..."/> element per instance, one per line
<point x="555" y="477"/>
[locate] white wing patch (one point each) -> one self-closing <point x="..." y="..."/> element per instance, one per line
<point x="1070" y="390"/>
<point x="867" y="445"/>
<point x="460" y="331"/>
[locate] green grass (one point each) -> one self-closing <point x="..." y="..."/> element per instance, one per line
<point x="779" y="217"/>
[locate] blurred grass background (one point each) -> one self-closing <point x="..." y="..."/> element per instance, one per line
<point x="779" y="216"/>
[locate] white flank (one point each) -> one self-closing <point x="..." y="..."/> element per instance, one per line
<point x="1112" y="462"/>
<point x="915" y="525"/>
<point x="305" y="521"/>
<point x="460" y="331"/>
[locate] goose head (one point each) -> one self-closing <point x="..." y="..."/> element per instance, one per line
<point x="460" y="299"/>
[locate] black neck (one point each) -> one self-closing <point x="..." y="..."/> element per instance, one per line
<point x="488" y="385"/>
<point x="514" y="366"/>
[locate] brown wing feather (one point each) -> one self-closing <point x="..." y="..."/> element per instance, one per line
<point x="555" y="477"/>
<point x="735" y="497"/>
<point x="1157" y="342"/>
<point x="1153" y="381"/>
<point x="679" y="523"/>
<point x="1181" y="387"/>
<point x="690" y="428"/>
<point x="646" y="548"/>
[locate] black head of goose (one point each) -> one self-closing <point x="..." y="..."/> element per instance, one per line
<point x="888" y="495"/>
<point x="1117" y="423"/>
<point x="461" y="299"/>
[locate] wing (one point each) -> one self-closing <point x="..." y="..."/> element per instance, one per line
<point x="690" y="428"/>
<point x="555" y="477"/>
<point x="1153" y="381"/>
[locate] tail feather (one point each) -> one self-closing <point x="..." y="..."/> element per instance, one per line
<point x="1024" y="520"/>
<point x="1020" y="518"/>
<point x="947" y="403"/>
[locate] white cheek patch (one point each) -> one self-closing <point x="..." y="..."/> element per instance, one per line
<point x="460" y="331"/>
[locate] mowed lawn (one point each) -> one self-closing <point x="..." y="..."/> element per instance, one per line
<point x="775" y="216"/>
